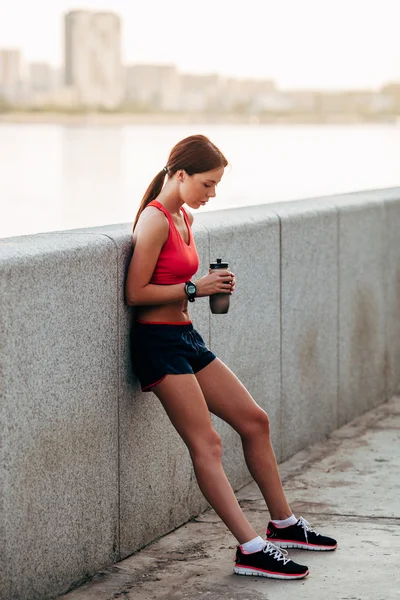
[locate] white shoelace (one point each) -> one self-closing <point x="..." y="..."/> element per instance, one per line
<point x="306" y="527"/>
<point x="276" y="552"/>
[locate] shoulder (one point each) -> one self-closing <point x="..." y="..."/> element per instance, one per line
<point x="152" y="223"/>
<point x="190" y="216"/>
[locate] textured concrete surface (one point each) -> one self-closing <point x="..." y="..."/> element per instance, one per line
<point x="60" y="422"/>
<point x="82" y="445"/>
<point x="362" y="305"/>
<point x="309" y="289"/>
<point x="254" y="257"/>
<point x="392" y="292"/>
<point x="346" y="486"/>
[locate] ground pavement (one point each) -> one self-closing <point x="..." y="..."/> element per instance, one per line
<point x="347" y="486"/>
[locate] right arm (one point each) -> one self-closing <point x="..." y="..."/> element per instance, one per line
<point x="151" y="233"/>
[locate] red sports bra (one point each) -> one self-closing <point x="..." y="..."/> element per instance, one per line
<point x="177" y="261"/>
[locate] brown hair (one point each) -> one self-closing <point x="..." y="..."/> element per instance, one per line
<point x="194" y="154"/>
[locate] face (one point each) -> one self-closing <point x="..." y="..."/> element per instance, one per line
<point x="196" y="190"/>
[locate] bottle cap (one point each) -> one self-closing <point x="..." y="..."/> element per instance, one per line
<point x="219" y="264"/>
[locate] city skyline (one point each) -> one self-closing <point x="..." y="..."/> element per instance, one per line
<point x="334" y="46"/>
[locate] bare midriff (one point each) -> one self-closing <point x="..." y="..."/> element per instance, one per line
<point x="165" y="313"/>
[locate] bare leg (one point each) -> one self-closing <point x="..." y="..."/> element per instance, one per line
<point x="184" y="403"/>
<point x="227" y="398"/>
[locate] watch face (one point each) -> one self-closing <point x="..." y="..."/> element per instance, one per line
<point x="191" y="288"/>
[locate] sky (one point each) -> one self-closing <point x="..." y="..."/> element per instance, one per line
<point x="308" y="44"/>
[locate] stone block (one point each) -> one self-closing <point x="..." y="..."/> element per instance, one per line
<point x="392" y="291"/>
<point x="362" y="303"/>
<point x="58" y="359"/>
<point x="309" y="283"/>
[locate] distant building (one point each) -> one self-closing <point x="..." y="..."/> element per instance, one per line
<point x="10" y="74"/>
<point x="93" y="58"/>
<point x="391" y="92"/>
<point x="201" y="92"/>
<point x="360" y="102"/>
<point x="41" y="77"/>
<point x="301" y="101"/>
<point x="152" y="87"/>
<point x="248" y="95"/>
<point x="61" y="98"/>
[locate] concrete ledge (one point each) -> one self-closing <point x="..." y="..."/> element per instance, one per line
<point x="92" y="468"/>
<point x="392" y="294"/>
<point x="309" y="317"/>
<point x="362" y="310"/>
<point x="60" y="400"/>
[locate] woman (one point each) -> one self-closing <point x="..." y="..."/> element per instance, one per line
<point x="171" y="360"/>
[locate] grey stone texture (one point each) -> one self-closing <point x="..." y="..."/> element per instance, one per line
<point x="362" y="303"/>
<point x="58" y="331"/>
<point x="392" y="292"/>
<point x="92" y="469"/>
<point x="309" y="283"/>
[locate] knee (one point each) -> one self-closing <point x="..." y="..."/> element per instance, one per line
<point x="209" y="448"/>
<point x="256" y="424"/>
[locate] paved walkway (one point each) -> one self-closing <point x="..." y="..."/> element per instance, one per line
<point x="347" y="486"/>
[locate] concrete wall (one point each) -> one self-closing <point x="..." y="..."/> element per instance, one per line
<point x="91" y="468"/>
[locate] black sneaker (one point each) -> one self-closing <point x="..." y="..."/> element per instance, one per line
<point x="299" y="535"/>
<point x="271" y="562"/>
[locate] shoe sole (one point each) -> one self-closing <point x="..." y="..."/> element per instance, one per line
<point x="302" y="546"/>
<point x="259" y="573"/>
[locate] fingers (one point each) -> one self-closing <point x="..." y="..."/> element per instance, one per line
<point x="230" y="284"/>
<point x="226" y="280"/>
<point x="227" y="277"/>
<point x="222" y="273"/>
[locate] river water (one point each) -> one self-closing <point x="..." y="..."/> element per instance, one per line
<point x="56" y="177"/>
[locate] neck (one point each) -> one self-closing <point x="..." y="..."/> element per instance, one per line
<point x="169" y="197"/>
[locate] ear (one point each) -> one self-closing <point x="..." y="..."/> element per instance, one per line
<point x="181" y="175"/>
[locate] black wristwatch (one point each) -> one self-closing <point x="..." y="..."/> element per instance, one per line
<point x="191" y="290"/>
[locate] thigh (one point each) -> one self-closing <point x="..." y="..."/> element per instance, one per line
<point x="185" y="405"/>
<point x="227" y="397"/>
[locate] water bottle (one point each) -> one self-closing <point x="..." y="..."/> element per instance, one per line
<point x="219" y="303"/>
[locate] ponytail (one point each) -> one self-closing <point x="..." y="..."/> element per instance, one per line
<point x="152" y="192"/>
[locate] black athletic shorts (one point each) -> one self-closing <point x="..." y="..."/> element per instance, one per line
<point x="160" y="349"/>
